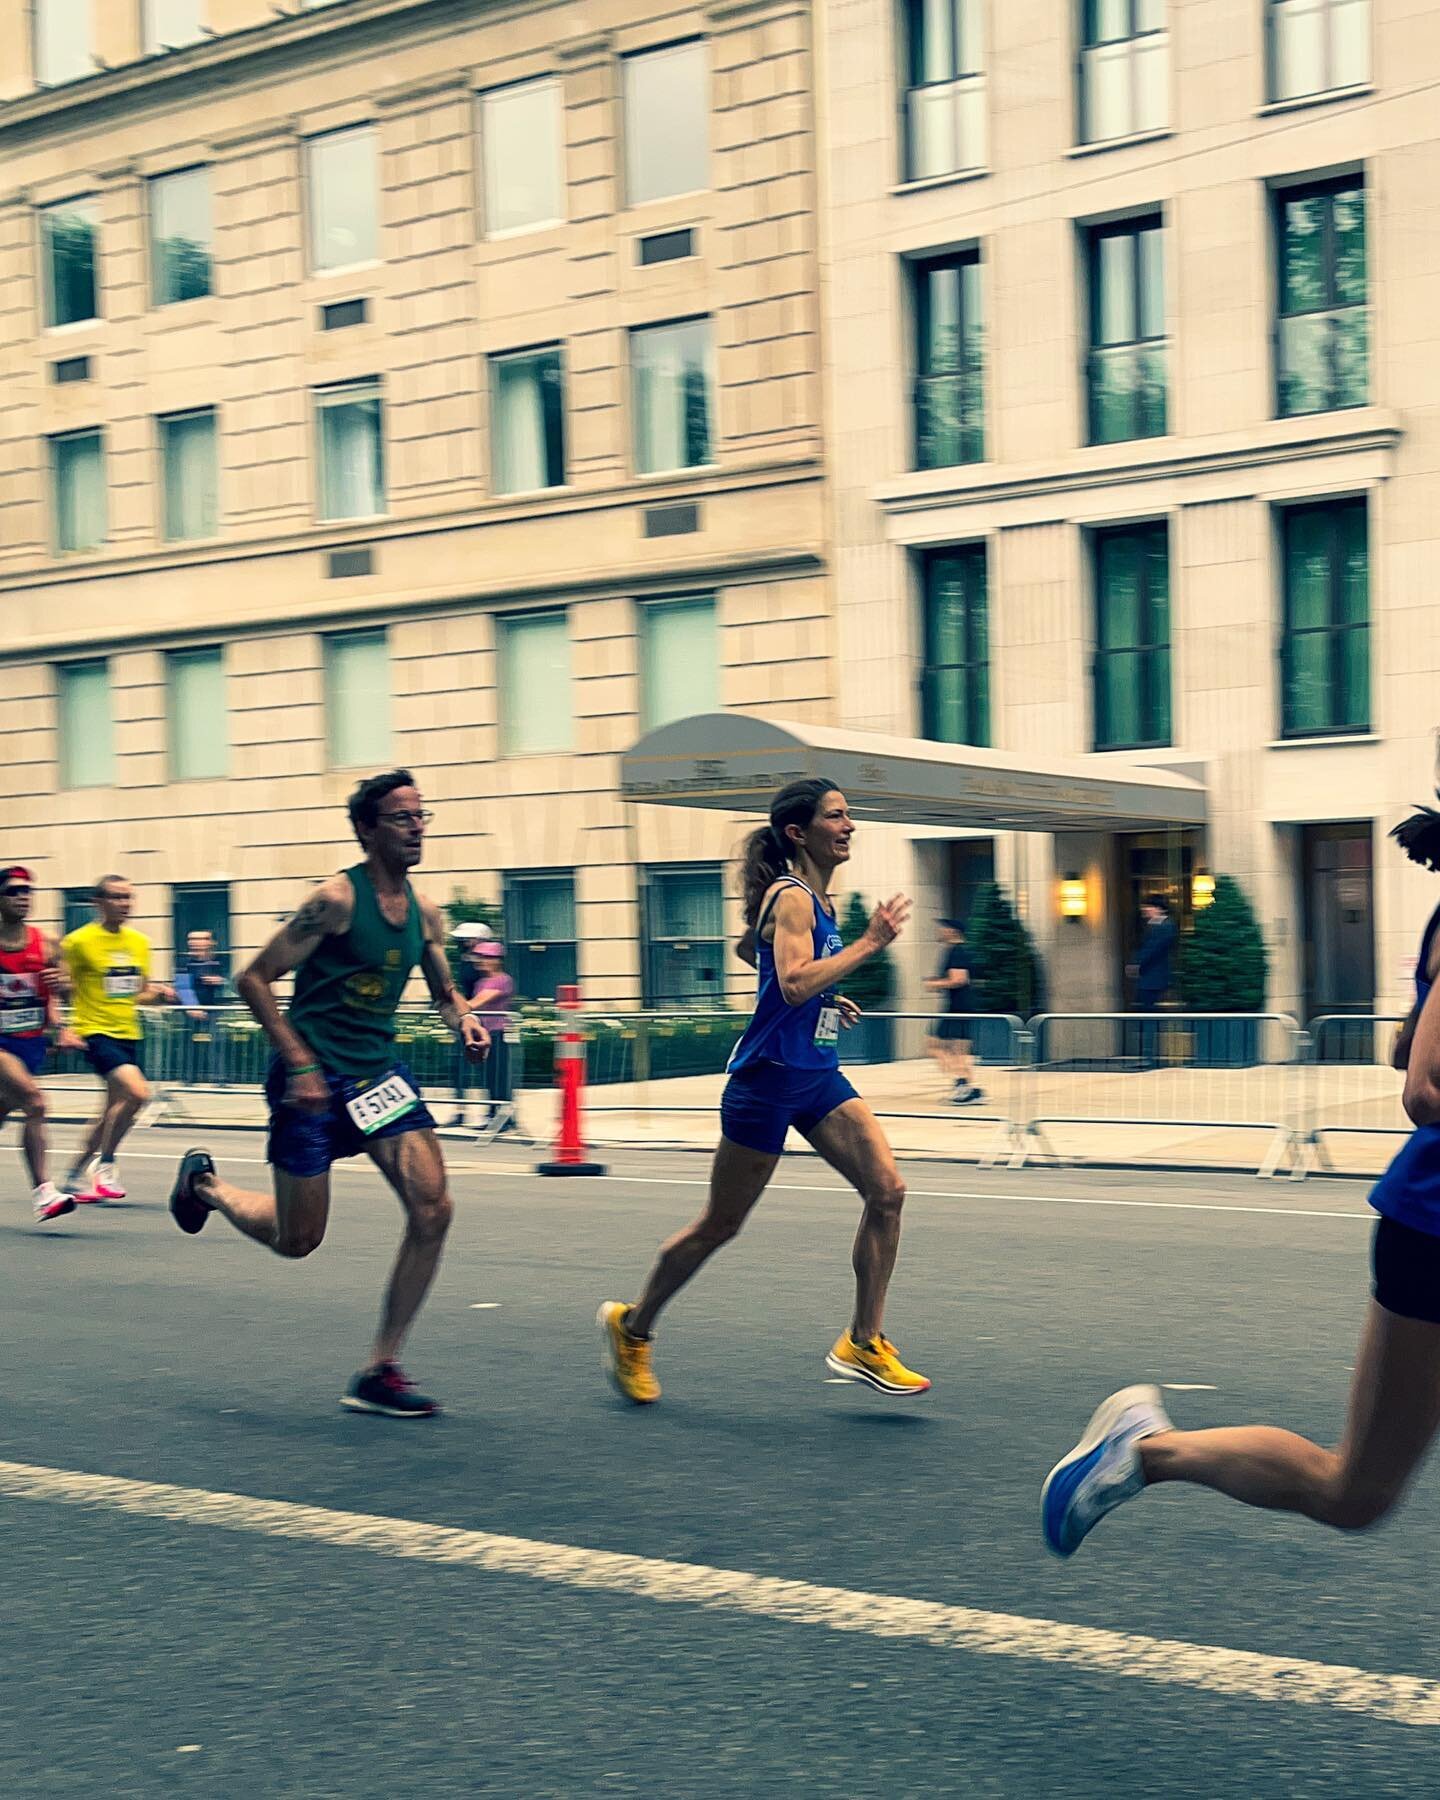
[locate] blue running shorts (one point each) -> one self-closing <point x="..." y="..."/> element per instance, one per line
<point x="28" y="1051"/>
<point x="305" y="1143"/>
<point x="763" y="1100"/>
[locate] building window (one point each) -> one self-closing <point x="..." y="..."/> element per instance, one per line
<point x="679" y="660"/>
<point x="352" y="451"/>
<point x="64" y="46"/>
<point x="1325" y="654"/>
<point x="77" y="473"/>
<point x="684" y="936"/>
<point x="949" y="362"/>
<point x="77" y="908"/>
<point x="344" y="183"/>
<point x="540" y="927"/>
<point x="357" y="698"/>
<point x="169" y="24"/>
<point x="1323" y="333"/>
<point x="1126" y="364"/>
<point x="201" y="906"/>
<point x="945" y="88"/>
<point x="1132" y="637"/>
<point x="670" y="383"/>
<point x="68" y="236"/>
<point x="955" y="690"/>
<point x="180" y="236"/>
<point x="667" y="122"/>
<point x="528" y="423"/>
<point x="536" y="707"/>
<point x="1317" y="45"/>
<point x="86" y="724"/>
<point x="522" y="151"/>
<point x="199" y="717"/>
<point x="190" y="475"/>
<point x="1124" y="68"/>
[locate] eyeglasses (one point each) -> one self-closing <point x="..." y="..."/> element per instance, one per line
<point x="407" y="818"/>
<point x="22" y="887"/>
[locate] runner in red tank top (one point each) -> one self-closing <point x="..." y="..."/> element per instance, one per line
<point x="28" y="985"/>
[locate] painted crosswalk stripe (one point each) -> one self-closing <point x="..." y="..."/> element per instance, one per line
<point x="1241" y="1674"/>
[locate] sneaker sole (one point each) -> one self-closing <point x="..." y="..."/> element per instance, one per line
<point x="57" y="1211"/>
<point x="607" y="1359"/>
<point x="1102" y="1422"/>
<point x="180" y="1196"/>
<point x="848" y="1372"/>
<point x="386" y="1412"/>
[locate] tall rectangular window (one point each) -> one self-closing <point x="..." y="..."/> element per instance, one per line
<point x="522" y="151"/>
<point x="949" y="362"/>
<point x="528" y="420"/>
<point x="1323" y="332"/>
<point x="180" y="236"/>
<point x="86" y="724"/>
<point x="77" y="908"/>
<point x="945" y="88"/>
<point x="1126" y="364"/>
<point x="540" y="927"/>
<point x="679" y="660"/>
<point x="536" y="706"/>
<point x="357" y="698"/>
<point x="202" y="906"/>
<point x="667" y="122"/>
<point x="1325" y="651"/>
<point x="1124" y="68"/>
<point x="198" y="714"/>
<point x="1132" y="636"/>
<point x="1317" y="45"/>
<point x="169" y="24"/>
<point x="69" y="233"/>
<point x="684" y="935"/>
<point x="64" y="41"/>
<point x="670" y="367"/>
<point x="350" y="421"/>
<point x="77" y="477"/>
<point x="955" y="689"/>
<point x="343" y="196"/>
<point x="190" y="474"/>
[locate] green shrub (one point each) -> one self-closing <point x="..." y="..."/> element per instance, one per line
<point x="1006" y="970"/>
<point x="873" y="983"/>
<point x="1223" y="962"/>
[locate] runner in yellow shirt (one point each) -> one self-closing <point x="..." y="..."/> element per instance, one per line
<point x="109" y="966"/>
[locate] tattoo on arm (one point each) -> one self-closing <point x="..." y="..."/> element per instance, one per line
<point x="310" y="920"/>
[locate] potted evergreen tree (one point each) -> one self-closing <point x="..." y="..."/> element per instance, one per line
<point x="1006" y="968"/>
<point x="871" y="988"/>
<point x="1223" y="968"/>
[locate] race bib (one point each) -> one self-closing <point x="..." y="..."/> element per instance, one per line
<point x="827" y="1028"/>
<point x="383" y="1101"/>
<point x="19" y="1020"/>
<point x="122" y="984"/>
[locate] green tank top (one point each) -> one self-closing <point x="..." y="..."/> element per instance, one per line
<point x="347" y="989"/>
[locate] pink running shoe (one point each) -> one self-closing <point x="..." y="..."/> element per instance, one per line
<point x="106" y="1186"/>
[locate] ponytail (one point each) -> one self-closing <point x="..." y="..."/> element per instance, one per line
<point x="764" y="862"/>
<point x="1419" y="838"/>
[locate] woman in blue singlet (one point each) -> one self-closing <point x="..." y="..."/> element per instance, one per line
<point x="784" y="1072"/>
<point x="1394" y="1409"/>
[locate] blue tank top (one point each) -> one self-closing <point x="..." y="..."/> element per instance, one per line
<point x="1409" y="1190"/>
<point x="800" y="1037"/>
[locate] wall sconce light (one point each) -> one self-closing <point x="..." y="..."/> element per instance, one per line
<point x="1202" y="890"/>
<point x="1074" y="900"/>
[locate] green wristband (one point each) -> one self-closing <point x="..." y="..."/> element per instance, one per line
<point x="306" y="1069"/>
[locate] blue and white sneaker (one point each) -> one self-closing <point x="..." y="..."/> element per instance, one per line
<point x="1102" y="1470"/>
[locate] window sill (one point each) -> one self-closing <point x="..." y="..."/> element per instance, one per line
<point x="1323" y="742"/>
<point x="1122" y="143"/>
<point x="1327" y="97"/>
<point x="954" y="178"/>
<point x="351" y="519"/>
<point x="658" y="475"/>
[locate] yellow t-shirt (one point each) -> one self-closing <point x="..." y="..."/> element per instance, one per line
<point x="108" y="968"/>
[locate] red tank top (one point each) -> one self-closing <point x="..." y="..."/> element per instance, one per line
<point x="22" y="994"/>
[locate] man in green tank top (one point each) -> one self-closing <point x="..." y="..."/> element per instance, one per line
<point x="335" y="1087"/>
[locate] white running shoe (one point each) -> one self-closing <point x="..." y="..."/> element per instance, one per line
<point x="1103" y="1470"/>
<point x="107" y="1183"/>
<point x="51" y="1203"/>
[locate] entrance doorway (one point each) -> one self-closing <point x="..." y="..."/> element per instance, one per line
<point x="1338" y="886"/>
<point x="1153" y="862"/>
<point x="971" y="866"/>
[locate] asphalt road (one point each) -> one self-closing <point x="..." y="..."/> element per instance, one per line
<point x="150" y="1656"/>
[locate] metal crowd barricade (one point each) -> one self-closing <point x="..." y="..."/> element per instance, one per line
<point x="1183" y="1084"/>
<point x="1354" y="1091"/>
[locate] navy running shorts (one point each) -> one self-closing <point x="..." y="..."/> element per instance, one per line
<point x="29" y="1051"/>
<point x="763" y="1100"/>
<point x="1406" y="1266"/>
<point x="106" y="1054"/>
<point x="306" y="1143"/>
<point x="952" y="1028"/>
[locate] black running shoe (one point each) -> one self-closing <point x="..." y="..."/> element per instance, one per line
<point x="187" y="1209"/>
<point x="385" y="1390"/>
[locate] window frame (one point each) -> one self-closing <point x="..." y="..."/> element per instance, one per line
<point x="957" y="82"/>
<point x="648" y="610"/>
<point x="533" y="353"/>
<point x="1150" y="651"/>
<point x="1330" y="509"/>
<point x="629" y="60"/>
<point x="42" y="82"/>
<point x="149" y="35"/>
<point x="327" y="399"/>
<point x="974" y="669"/>
<point x="155" y="259"/>
<point x="328" y="639"/>
<point x="311" y="212"/>
<point x="483" y="100"/>
<point x="48" y="293"/>
<point x="1084" y="48"/>
<point x="63" y="770"/>
<point x="506" y="625"/>
<point x="193" y="653"/>
<point x="1328" y="187"/>
<point x="163" y="422"/>
<point x="653" y="944"/>
<point x="919" y="271"/>
<point x="512" y="883"/>
<point x="1097" y="354"/>
<point x="54" y="440"/>
<point x="712" y="390"/>
<point x="1273" y="96"/>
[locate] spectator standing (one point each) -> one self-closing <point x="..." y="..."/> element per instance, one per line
<point x="201" y="987"/>
<point x="488" y="987"/>
<point x="1154" y="970"/>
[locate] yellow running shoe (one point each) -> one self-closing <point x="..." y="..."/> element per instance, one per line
<point x="877" y="1363"/>
<point x="626" y="1359"/>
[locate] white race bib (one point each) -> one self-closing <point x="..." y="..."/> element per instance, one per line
<point x="22" y="1019"/>
<point x="122" y="985"/>
<point x="389" y="1098"/>
<point x="827" y="1028"/>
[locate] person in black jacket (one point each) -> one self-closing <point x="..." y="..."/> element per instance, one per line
<point x="1154" y="970"/>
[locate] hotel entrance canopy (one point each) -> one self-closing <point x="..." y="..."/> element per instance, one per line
<point x="732" y="762"/>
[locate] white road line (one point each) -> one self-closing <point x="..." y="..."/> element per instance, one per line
<point x="1240" y="1674"/>
<point x="811" y="1187"/>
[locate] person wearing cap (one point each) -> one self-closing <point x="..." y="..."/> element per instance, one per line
<point x="489" y="989"/>
<point x="29" y="984"/>
<point x="950" y="1036"/>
